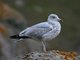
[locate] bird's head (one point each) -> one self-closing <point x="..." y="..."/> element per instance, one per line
<point x="53" y="17"/>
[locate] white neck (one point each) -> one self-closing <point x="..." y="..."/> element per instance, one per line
<point x="55" y="23"/>
<point x="52" y="21"/>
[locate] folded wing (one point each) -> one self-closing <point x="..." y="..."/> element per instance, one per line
<point x="36" y="31"/>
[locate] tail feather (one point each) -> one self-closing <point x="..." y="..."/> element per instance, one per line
<point x="18" y="37"/>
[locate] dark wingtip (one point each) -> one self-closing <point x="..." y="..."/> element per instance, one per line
<point x="14" y="36"/>
<point x="18" y="37"/>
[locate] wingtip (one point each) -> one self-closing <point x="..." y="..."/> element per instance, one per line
<point x="18" y="37"/>
<point x="14" y="36"/>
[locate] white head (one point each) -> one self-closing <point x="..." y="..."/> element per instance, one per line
<point x="53" y="17"/>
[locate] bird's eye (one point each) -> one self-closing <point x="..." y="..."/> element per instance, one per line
<point x="53" y="17"/>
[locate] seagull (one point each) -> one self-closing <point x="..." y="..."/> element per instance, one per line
<point x="43" y="31"/>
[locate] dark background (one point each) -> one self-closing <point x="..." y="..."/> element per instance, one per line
<point x="35" y="11"/>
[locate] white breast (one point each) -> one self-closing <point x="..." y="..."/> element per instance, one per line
<point x="56" y="28"/>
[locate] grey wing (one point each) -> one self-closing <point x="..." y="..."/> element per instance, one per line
<point x="37" y="31"/>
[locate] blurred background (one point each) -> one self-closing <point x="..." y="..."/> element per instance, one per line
<point x="16" y="15"/>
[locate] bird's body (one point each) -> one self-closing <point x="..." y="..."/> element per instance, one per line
<point x="45" y="30"/>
